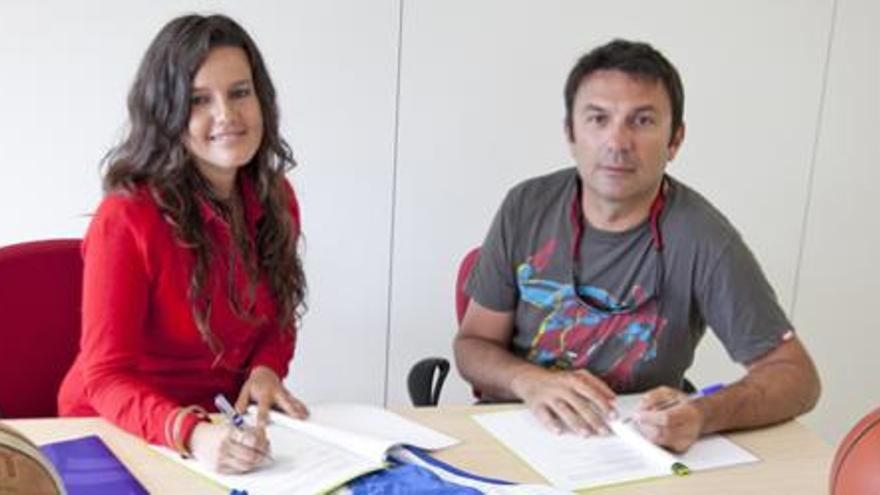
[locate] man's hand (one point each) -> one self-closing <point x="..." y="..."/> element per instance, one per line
<point x="265" y="388"/>
<point x="572" y="400"/>
<point x="228" y="450"/>
<point x="667" y="417"/>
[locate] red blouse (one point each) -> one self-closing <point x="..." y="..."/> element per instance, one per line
<point x="141" y="355"/>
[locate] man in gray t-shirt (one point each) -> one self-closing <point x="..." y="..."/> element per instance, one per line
<point x="601" y="279"/>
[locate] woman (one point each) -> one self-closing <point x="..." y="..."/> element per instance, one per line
<point x="192" y="283"/>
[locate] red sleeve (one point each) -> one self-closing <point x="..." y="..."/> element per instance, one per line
<point x="275" y="348"/>
<point x="116" y="290"/>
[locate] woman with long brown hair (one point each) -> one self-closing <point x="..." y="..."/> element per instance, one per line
<point x="193" y="285"/>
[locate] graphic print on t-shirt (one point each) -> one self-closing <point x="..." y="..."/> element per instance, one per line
<point x="608" y="338"/>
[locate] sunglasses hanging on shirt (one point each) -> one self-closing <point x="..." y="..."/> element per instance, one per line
<point x="599" y="300"/>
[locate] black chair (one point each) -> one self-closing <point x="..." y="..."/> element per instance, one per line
<point x="426" y="377"/>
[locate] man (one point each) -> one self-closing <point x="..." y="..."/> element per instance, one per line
<point x="601" y="279"/>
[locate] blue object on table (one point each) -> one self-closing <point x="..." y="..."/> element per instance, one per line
<point x="406" y="479"/>
<point x="88" y="467"/>
<point x="437" y="466"/>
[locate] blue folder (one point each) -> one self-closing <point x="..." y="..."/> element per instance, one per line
<point x="88" y="467"/>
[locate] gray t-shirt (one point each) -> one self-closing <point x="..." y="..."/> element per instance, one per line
<point x="634" y="320"/>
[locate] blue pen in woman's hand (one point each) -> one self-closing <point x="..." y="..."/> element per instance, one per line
<point x="233" y="417"/>
<point x="231" y="414"/>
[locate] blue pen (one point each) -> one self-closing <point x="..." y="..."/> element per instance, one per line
<point x="711" y="389"/>
<point x="231" y="414"/>
<point x="234" y="418"/>
<point x="703" y="392"/>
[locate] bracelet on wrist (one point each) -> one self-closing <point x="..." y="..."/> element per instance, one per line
<point x="176" y="432"/>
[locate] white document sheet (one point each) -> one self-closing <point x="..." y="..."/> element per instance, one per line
<point x="336" y="444"/>
<point x="572" y="462"/>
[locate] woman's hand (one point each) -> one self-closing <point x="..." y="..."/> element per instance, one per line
<point x="265" y="388"/>
<point x="229" y="450"/>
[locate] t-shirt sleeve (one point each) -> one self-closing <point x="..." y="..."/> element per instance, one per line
<point x="492" y="282"/>
<point x="740" y="306"/>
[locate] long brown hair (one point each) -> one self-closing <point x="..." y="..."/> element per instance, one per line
<point x="153" y="154"/>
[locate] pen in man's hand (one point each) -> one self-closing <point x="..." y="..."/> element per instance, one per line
<point x="703" y="392"/>
<point x="668" y="404"/>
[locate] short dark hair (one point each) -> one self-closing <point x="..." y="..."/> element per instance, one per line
<point x="638" y="59"/>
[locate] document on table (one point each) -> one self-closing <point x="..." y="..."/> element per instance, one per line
<point x="336" y="444"/>
<point x="572" y="462"/>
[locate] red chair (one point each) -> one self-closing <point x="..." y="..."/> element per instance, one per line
<point x="426" y="377"/>
<point x="40" y="295"/>
<point x="462" y="300"/>
<point x="856" y="467"/>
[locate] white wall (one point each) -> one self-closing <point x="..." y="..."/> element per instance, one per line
<point x="403" y="161"/>
<point x="839" y="282"/>
<point x="67" y="67"/>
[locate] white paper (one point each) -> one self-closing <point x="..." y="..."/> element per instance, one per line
<point x="629" y="434"/>
<point x="301" y="464"/>
<point x="573" y="462"/>
<point x="337" y="443"/>
<point x="714" y="451"/>
<point x="376" y="422"/>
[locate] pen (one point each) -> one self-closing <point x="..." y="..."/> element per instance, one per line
<point x="234" y="418"/>
<point x="703" y="392"/>
<point x="231" y="414"/>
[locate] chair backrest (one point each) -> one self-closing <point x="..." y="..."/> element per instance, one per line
<point x="40" y="297"/>
<point x="462" y="300"/>
<point x="464" y="271"/>
<point x="425" y="378"/>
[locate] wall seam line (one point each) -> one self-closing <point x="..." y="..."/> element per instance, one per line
<point x="811" y="177"/>
<point x="394" y="157"/>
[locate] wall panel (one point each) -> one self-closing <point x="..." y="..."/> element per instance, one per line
<point x="67" y="69"/>
<point x="840" y="274"/>
<point x="481" y="109"/>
